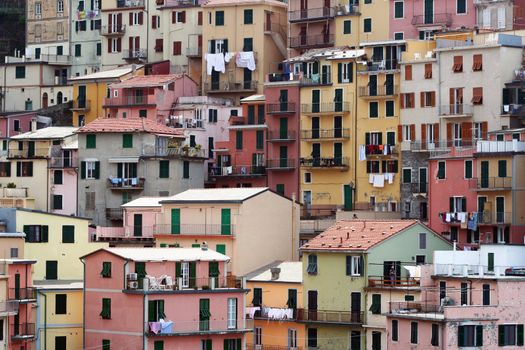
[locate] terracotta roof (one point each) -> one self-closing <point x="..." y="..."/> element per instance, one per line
<point x="118" y="125"/>
<point x="146" y="81"/>
<point x="357" y="234"/>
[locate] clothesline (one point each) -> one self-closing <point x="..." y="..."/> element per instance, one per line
<point x="217" y="61"/>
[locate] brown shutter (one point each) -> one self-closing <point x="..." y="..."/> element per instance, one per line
<point x="199" y="18"/>
<point x="177" y="48"/>
<point x="402" y="101"/>
<point x="422" y="99"/>
<point x="131" y="18"/>
<point x="109" y="45"/>
<point x="449" y="132"/>
<point x="400" y="133"/>
<point x="110" y="22"/>
<point x="153" y="22"/>
<point x="137" y="43"/>
<point x="119" y="44"/>
<point x="119" y="21"/>
<point x="436" y="132"/>
<point x="423" y="133"/>
<point x="141" y="18"/>
<point x="428" y="70"/>
<point x="412" y="132"/>
<point x="458" y="64"/>
<point x="466" y="133"/>
<point x="412" y="98"/>
<point x="477" y="95"/>
<point x="173" y="17"/>
<point x="183" y="16"/>
<point x="484" y="129"/>
<point x="408" y="72"/>
<point x="460" y="96"/>
<point x="130" y="44"/>
<point x="477" y="63"/>
<point x="433" y="99"/>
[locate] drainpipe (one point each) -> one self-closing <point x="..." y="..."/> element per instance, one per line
<point x="354" y="99"/>
<point x="45" y="320"/>
<point x="144" y="340"/>
<point x="84" y="305"/>
<point x="293" y="225"/>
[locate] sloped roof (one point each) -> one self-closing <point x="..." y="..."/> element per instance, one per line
<point x="224" y="195"/>
<point x="107" y="74"/>
<point x="290" y="272"/>
<point x="146" y="81"/>
<point x="118" y="125"/>
<point x="51" y="132"/>
<point x="144" y="202"/>
<point x="165" y="254"/>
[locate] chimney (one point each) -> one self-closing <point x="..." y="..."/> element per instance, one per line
<point x="275" y="273"/>
<point x="33" y="125"/>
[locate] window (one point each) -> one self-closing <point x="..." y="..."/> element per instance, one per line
<point x="248" y="16"/>
<point x="279" y="188"/>
<point x="14" y="253"/>
<point x="24" y="169"/>
<point x="106" y="309"/>
<point x="394" y="331"/>
<point x="434" y="340"/>
<point x="477" y="63"/>
<point x="312" y="264"/>
<point x="367" y="25"/>
<point x="407" y="175"/>
<point x="477" y="95"/>
<point x="428" y="70"/>
<point x="464" y="294"/>
<point x="60" y="304"/>
<point x="232" y="313"/>
<point x="158" y="345"/>
<point x="347" y="27"/>
<point x="468" y="169"/>
<point x="372" y="166"/>
<point x="458" y="204"/>
<point x="510" y="335"/>
<point x="219" y="18"/>
<point x="178" y="17"/>
<point x="89" y="170"/>
<point x="106" y="269"/>
<point x="185" y="169"/>
<point x="312" y="337"/>
<point x="60" y="6"/>
<point x="58" y="177"/>
<point x="502" y="168"/>
<point x="51" y="270"/>
<point x="5" y="169"/>
<point x="461" y="6"/>
<point x="164" y="169"/>
<point x="399" y="36"/>
<point x="307" y="178"/>
<point x="457" y="67"/>
<point x="399" y="9"/>
<point x="258" y="335"/>
<point x="376" y="340"/>
<point x="428" y="98"/>
<point x="60" y="342"/>
<point x="204" y="314"/>
<point x="345" y="72"/>
<point x="422" y="240"/>
<point x="470" y="335"/>
<point x="292" y="338"/>
<point x="20" y="73"/>
<point x="78" y="50"/>
<point x="213" y="115"/>
<point x="441" y="170"/>
<point x="407" y="100"/>
<point x="115" y="45"/>
<point x="91" y="141"/>
<point x="486" y="294"/>
<point x="136" y="18"/>
<point x="68" y="234"/>
<point x="57" y="202"/>
<point x="354" y="265"/>
<point x="259" y="139"/>
<point x="38" y="8"/>
<point x="177" y="48"/>
<point x="413" y="332"/>
<point x="373" y="110"/>
<point x="36" y="233"/>
<point x="406" y="131"/>
<point x="375" y="308"/>
<point x="106" y="344"/>
<point x="127" y="140"/>
<point x="238" y="140"/>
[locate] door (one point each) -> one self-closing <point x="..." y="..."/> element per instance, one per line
<point x="423" y="180"/>
<point x="215" y="80"/>
<point x="338" y="154"/>
<point x="312" y="305"/>
<point x="59" y="97"/>
<point x="283" y="100"/>
<point x="423" y="211"/>
<point x="325" y="74"/>
<point x="338" y="100"/>
<point x="226" y="221"/>
<point x="316" y="101"/>
<point x="315" y="127"/>
<point x="137" y="225"/>
<point x="30" y="148"/>
<point x="355" y="306"/>
<point x="316" y="154"/>
<point x="429" y="11"/>
<point x="372" y="85"/>
<point x="347" y="195"/>
<point x="484" y="174"/>
<point x="283" y="128"/>
<point x="81" y="96"/>
<point x="17" y="286"/>
<point x="391" y="272"/>
<point x="247" y="79"/>
<point x="338" y="127"/>
<point x="389" y="84"/>
<point x="307" y="199"/>
<point x="283" y="157"/>
<point x="175" y="221"/>
<point x="45" y="100"/>
<point x="500" y="209"/>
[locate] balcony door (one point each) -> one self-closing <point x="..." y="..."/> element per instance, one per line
<point x="247" y="79"/>
<point x="355" y="306"/>
<point x="500" y="209"/>
<point x="423" y="180"/>
<point x="484" y="174"/>
<point x="315" y="127"/>
<point x="215" y="79"/>
<point x="283" y="128"/>
<point x="338" y="153"/>
<point x="338" y="127"/>
<point x="283" y="156"/>
<point x="429" y="11"/>
<point x="283" y="100"/>
<point x="316" y="154"/>
<point x="17" y="286"/>
<point x="372" y="85"/>
<point x="389" y="84"/>
<point x="456" y="100"/>
<point x="312" y="305"/>
<point x="137" y="225"/>
<point x="338" y="100"/>
<point x="81" y="96"/>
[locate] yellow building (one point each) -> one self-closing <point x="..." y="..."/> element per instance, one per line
<point x="60" y="314"/>
<point x="257" y="26"/>
<point x="377" y="135"/>
<point x="328" y="93"/>
<point x="90" y="91"/>
<point x="276" y="295"/>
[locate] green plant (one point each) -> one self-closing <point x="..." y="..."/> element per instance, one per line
<point x="11" y="185"/>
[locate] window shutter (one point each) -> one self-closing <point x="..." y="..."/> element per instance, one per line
<point x="479" y="335"/>
<point x="423" y="133"/>
<point x="519" y="340"/>
<point x="380" y="139"/>
<point x="141" y="18"/>
<point x="461" y="336"/>
<point x="199" y="18"/>
<point x="82" y="170"/>
<point x="183" y="16"/>
<point x="339" y="73"/>
<point x="408" y="72"/>
<point x="433" y="99"/>
<point x="412" y="132"/>
<point x="464" y="204"/>
<point x="367" y="138"/>
<point x="383" y="166"/>
<point x="45" y="233"/>
<point x="97" y="170"/>
<point x="153" y="22"/>
<point x="349" y="259"/>
<point x="193" y="271"/>
<point x="360" y="266"/>
<point x="484" y="128"/>
<point x="402" y="101"/>
<point x="173" y="17"/>
<point x="422" y="99"/>
<point x="18" y="169"/>
<point x="451" y="204"/>
<point x="449" y="131"/>
<point x="119" y="44"/>
<point x="130" y="18"/>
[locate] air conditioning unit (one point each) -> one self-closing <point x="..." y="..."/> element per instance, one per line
<point x="133" y="277"/>
<point x="133" y="285"/>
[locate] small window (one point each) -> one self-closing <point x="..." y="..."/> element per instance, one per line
<point x="219" y="18"/>
<point x="248" y="16"/>
<point x="477" y="95"/>
<point x="143" y="113"/>
<point x="238" y="140"/>
<point x="389" y="109"/>
<point x="78" y="48"/>
<point x="99" y="49"/>
<point x="347" y="27"/>
<point x="307" y="178"/>
<point x="413" y="332"/>
<point x="422" y="240"/>
<point x="394" y="332"/>
<point x="60" y="304"/>
<point x="106" y="309"/>
<point x="91" y="141"/>
<point x="367" y="25"/>
<point x="354" y="265"/>
<point x="57" y="202"/>
<point x="399" y="9"/>
<point x="106" y="344"/>
<point x="164" y="169"/>
<point x="373" y="110"/>
<point x="20" y="72"/>
<point x="375" y="308"/>
<point x="312" y="264"/>
<point x="127" y="140"/>
<point x="420" y="259"/>
<point x="407" y="175"/>
<point x="279" y="188"/>
<point x="106" y="269"/>
<point x="58" y="177"/>
<point x="461" y="6"/>
<point x="68" y="234"/>
<point x="441" y="170"/>
<point x="186" y="169"/>
<point x="14" y="253"/>
<point x="468" y="169"/>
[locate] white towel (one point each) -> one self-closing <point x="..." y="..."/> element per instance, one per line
<point x="362" y="152"/>
<point x="246" y="60"/>
<point x="370" y="178"/>
<point x="228" y="56"/>
<point x="379" y="181"/>
<point x="462" y="217"/>
<point x="215" y="61"/>
<point x="447" y="217"/>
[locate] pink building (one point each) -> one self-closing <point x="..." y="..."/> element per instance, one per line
<point x="472" y="300"/>
<point x="420" y="19"/>
<point x="148" y="96"/>
<point x="282" y="117"/>
<point x="162" y="298"/>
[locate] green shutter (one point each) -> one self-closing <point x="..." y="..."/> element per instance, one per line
<point x="502" y="168"/>
<point x="279" y="188"/>
<point x="158" y="345"/>
<point x="57" y="202"/>
<point x="501" y="335"/>
<point x="140" y="269"/>
<point x="468" y="169"/>
<point x="238" y="140"/>
<point x="106" y="308"/>
<point x="226" y="221"/>
<point x="519" y="340"/>
<point x="251" y="114"/>
<point x="316" y="98"/>
<point x="178" y="269"/>
<point x="152" y="308"/>
<point x="164" y="169"/>
<point x="185" y="169"/>
<point x="367" y="25"/>
<point x="51" y="270"/>
<point x="260" y="114"/>
<point x="127" y="140"/>
<point x="45" y="233"/>
<point x="91" y="141"/>
<point x="82" y="170"/>
<point x="221" y="248"/>
<point x="340" y="72"/>
<point x="347" y="27"/>
<point x="259" y="139"/>
<point x="106" y="344"/>
<point x="175" y="221"/>
<point x="68" y="234"/>
<point x="490" y="259"/>
<point x="96" y="173"/>
<point x="219" y="18"/>
<point x="193" y="273"/>
<point x="248" y="16"/>
<point x="213" y="269"/>
<point x="106" y="269"/>
<point x="479" y="335"/>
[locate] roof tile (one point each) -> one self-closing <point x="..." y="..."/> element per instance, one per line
<point x="117" y="125"/>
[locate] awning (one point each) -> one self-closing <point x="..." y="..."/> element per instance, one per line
<point x="124" y="160"/>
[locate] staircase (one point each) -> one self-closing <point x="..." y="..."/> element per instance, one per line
<point x="278" y="34"/>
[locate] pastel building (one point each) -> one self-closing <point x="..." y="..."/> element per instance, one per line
<point x="503" y="15"/>
<point x="351" y="269"/>
<point x="183" y="297"/>
<point x="275" y="295"/>
<point x="472" y="302"/>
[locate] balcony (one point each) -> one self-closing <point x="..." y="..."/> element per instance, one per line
<point x="421" y="309"/>
<point x="114" y="214"/>
<point x="27" y="294"/>
<point x="126" y="183"/>
<point x="312" y="41"/>
<point x="22" y="331"/>
<point x="195" y="229"/>
<point x="386" y="282"/>
<point x="378" y="91"/>
<point x="512" y="109"/>
<point x="194" y="52"/>
<point x="272" y="347"/>
<point x="315" y="226"/>
<point x="184" y="152"/>
<point x="30" y="153"/>
<point x="53" y="60"/>
<point x="282" y="136"/>
<point x="280" y="108"/>
<point x="312" y="14"/>
<point x="238" y="170"/>
<point x="63" y="162"/>
<point x="8" y="308"/>
<point x="128" y="234"/>
<point x="280" y="164"/>
<point x="325" y="163"/>
<point x="282" y="77"/>
<point x="500" y="146"/>
<point x="130" y="3"/>
<point x="231" y="86"/>
<point x="456" y="111"/>
<point x="482" y="218"/>
<point x="316" y="80"/>
<point x="325" y="107"/>
<point x="113" y="30"/>
<point x="325" y="134"/>
<point x="329" y="316"/>
<point x="81" y="105"/>
<point x="378" y="66"/>
<point x="380" y="150"/>
<point x="139" y="54"/>
<point x="439" y="19"/>
<point x="198" y="327"/>
<point x="14" y="192"/>
<point x="429" y="145"/>
<point x="491" y="183"/>
<point x="131" y="101"/>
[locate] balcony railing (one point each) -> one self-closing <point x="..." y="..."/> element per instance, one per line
<point x="272" y="347"/>
<point x="22" y="331"/>
<point x="126" y="183"/>
<point x="325" y="162"/>
<point x="311" y="41"/>
<point x="81" y="105"/>
<point x="444" y="19"/>
<point x="15" y="192"/>
<point x="193" y="152"/>
<point x="430" y="145"/>
<point x="114" y="213"/>
<point x="380" y="65"/>
<point x="455" y="110"/>
<point x="135" y="54"/>
<point x="415" y="187"/>
<point x="325" y="107"/>
<point x="194" y="51"/>
<point x="140" y="100"/>
<point x="320" y="134"/>
<point x="29" y="153"/>
<point x="9" y="307"/>
<point x="500" y="146"/>
<point x="63" y="162"/>
<point x="311" y="14"/>
<point x="196" y="229"/>
<point x="238" y="170"/>
<point x="113" y="30"/>
<point x="381" y="281"/>
<point x="329" y="316"/>
<point x="231" y="86"/>
<point x="491" y="183"/>
<point x="28" y="293"/>
<point x="378" y="91"/>
<point x="156" y="329"/>
<point x="414" y="307"/>
<point x="315" y="226"/>
<point x="130" y="3"/>
<point x="316" y="79"/>
<point x="380" y="150"/>
<point x="282" y="77"/>
<point x="280" y="164"/>
<point x="280" y="108"/>
<point x="170" y="284"/>
<point x="485" y="217"/>
<point x="282" y="135"/>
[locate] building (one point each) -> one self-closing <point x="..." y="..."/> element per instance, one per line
<point x="253" y="33"/>
<point x="183" y="295"/>
<point x="91" y="90"/>
<point x="41" y="165"/>
<point x="12" y="29"/>
<point x="147" y="96"/>
<point x="276" y="295"/>
<point x="150" y="161"/>
<point x="460" y="284"/>
<point x="240" y="161"/>
<point x="347" y="271"/>
<point x="504" y="15"/>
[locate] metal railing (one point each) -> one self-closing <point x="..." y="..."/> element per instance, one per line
<point x="485" y="217"/>
<point x="29" y="153"/>
<point x="315" y="226"/>
<point x="113" y="30"/>
<point x="126" y="182"/>
<point x="430" y="145"/>
<point x="272" y="347"/>
<point x="325" y="162"/>
<point x="63" y="162"/>
<point x="311" y="14"/>
<point x="196" y="229"/>
<point x="15" y="192"/>
<point x="374" y="66"/>
<point x="329" y="316"/>
<point x="27" y="293"/>
<point x="281" y="107"/>
<point x="180" y="283"/>
<point x="152" y="151"/>
<point x="381" y="149"/>
<point x="381" y="281"/>
<point x="414" y="307"/>
<point x="282" y="163"/>
<point x="458" y="109"/>
<point x="22" y="330"/>
<point x="310" y="41"/>
<point x="231" y="86"/>
<point x="81" y="105"/>
<point x="325" y="107"/>
<point x="10" y="306"/>
<point x="491" y="183"/>
<point x="415" y="187"/>
<point x="500" y="146"/>
<point x="437" y="18"/>
<point x="130" y="3"/>
<point x="237" y="170"/>
<point x="282" y="77"/>
<point x="325" y="134"/>
<point x="138" y="100"/>
<point x="114" y="213"/>
<point x="134" y="54"/>
<point x="377" y="91"/>
<point x="282" y="135"/>
<point x="316" y="79"/>
<point x="212" y="326"/>
<point x="194" y="51"/>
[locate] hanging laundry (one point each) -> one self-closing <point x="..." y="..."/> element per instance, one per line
<point x="386" y="150"/>
<point x="371" y="178"/>
<point x="246" y="59"/>
<point x="215" y="61"/>
<point x="379" y="181"/>
<point x="448" y="217"/>
<point x="251" y="310"/>
<point x="362" y="152"/>
<point x="228" y="56"/>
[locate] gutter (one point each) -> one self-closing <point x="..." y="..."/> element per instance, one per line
<point x="84" y="306"/>
<point x="45" y="320"/>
